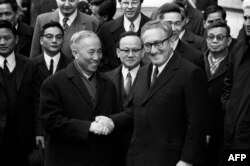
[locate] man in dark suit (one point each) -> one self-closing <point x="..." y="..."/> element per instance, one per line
<point x="131" y="20"/>
<point x="216" y="59"/>
<point x="49" y="62"/>
<point x="172" y="14"/>
<point x="10" y="11"/>
<point x="70" y="100"/>
<point x="17" y="95"/>
<point x="237" y="91"/>
<point x="129" y="51"/>
<point x="70" y="19"/>
<point x="168" y="105"/>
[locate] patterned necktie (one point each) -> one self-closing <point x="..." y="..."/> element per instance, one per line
<point x="128" y="83"/>
<point x="6" y="69"/>
<point x="65" y="25"/>
<point x="51" y="67"/>
<point x="154" y="77"/>
<point x="132" y="27"/>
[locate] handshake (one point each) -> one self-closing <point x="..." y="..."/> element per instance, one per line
<point x="102" y="125"/>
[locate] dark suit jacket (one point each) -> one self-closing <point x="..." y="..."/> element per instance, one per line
<point x="236" y="98"/>
<point x="81" y="22"/>
<point x="25" y="34"/>
<point x="109" y="34"/>
<point x="24" y="103"/>
<point x="197" y="42"/>
<point x="42" y="73"/>
<point x="168" y="117"/>
<point x="67" y="112"/>
<point x="187" y="52"/>
<point x="195" y="23"/>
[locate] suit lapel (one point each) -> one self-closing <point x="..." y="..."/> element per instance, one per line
<point x="77" y="81"/>
<point x="166" y="75"/>
<point x="42" y="67"/>
<point x="1" y="80"/>
<point x="20" y="70"/>
<point x="221" y="69"/>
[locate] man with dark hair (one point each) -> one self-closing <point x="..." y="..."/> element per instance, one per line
<point x="10" y="11"/>
<point x="215" y="13"/>
<point x="70" y="19"/>
<point x="103" y="10"/>
<point x="17" y="101"/>
<point x="216" y="60"/>
<point x="172" y="14"/>
<point x="130" y="52"/>
<point x="49" y="62"/>
<point x="131" y="20"/>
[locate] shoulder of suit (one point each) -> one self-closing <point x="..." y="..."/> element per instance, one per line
<point x="111" y="74"/>
<point x="25" y="29"/>
<point x="87" y="17"/>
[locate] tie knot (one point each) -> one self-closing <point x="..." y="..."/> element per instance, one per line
<point x="5" y="62"/>
<point x="132" y="27"/>
<point x="129" y="75"/>
<point x="156" y="71"/>
<point x="65" y="19"/>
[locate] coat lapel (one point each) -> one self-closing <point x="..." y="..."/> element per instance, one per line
<point x="221" y="69"/>
<point x="166" y="75"/>
<point x="42" y="66"/>
<point x="1" y="80"/>
<point x="20" y="70"/>
<point x="73" y="75"/>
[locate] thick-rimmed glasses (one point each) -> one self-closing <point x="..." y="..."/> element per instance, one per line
<point x="50" y="37"/>
<point x="133" y="4"/>
<point x="156" y="44"/>
<point x="128" y="51"/>
<point x="218" y="37"/>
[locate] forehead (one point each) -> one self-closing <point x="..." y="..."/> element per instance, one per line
<point x="214" y="16"/>
<point x="53" y="30"/>
<point x="154" y="34"/>
<point x="6" y="7"/>
<point x="90" y="42"/>
<point x="217" y="30"/>
<point x="5" y="31"/>
<point x="172" y="16"/>
<point x="246" y="11"/>
<point x="130" y="40"/>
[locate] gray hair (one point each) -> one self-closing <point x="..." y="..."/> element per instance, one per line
<point x="246" y="4"/>
<point x="165" y="26"/>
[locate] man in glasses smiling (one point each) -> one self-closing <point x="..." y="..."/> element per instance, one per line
<point x="130" y="52"/>
<point x="131" y="20"/>
<point x="47" y="63"/>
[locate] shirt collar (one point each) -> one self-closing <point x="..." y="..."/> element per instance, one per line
<point x="11" y="61"/>
<point x="82" y="73"/>
<point x="71" y="18"/>
<point x="136" y="22"/>
<point x="182" y="34"/>
<point x="55" y="58"/>
<point x="175" y="43"/>
<point x="161" y="68"/>
<point x="133" y="72"/>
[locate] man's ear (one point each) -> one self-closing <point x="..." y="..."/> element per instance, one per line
<point x="186" y="20"/>
<point x="41" y="40"/>
<point x="75" y="53"/>
<point x="204" y="24"/>
<point x="16" y="39"/>
<point x="229" y="41"/>
<point x="118" y="52"/>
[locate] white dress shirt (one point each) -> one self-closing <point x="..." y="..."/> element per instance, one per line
<point x="11" y="61"/>
<point x="71" y="18"/>
<point x="55" y="58"/>
<point x="136" y="22"/>
<point x="133" y="74"/>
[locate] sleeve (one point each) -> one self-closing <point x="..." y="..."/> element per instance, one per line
<point x="54" y="120"/>
<point x="35" y="46"/>
<point x="196" y="98"/>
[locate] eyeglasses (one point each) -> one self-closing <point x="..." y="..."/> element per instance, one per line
<point x="156" y="44"/>
<point x="127" y="51"/>
<point x="246" y="18"/>
<point x="214" y="21"/>
<point x="218" y="37"/>
<point x="50" y="36"/>
<point x="133" y="4"/>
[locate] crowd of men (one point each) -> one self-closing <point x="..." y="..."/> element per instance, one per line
<point x="91" y="90"/>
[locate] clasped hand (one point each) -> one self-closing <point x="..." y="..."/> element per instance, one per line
<point x="102" y="125"/>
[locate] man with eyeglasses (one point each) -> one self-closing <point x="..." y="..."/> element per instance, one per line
<point x="49" y="62"/>
<point x="237" y="91"/>
<point x="70" y="19"/>
<point x="173" y="14"/>
<point x="216" y="60"/>
<point x="130" y="52"/>
<point x="167" y="105"/>
<point x="131" y="20"/>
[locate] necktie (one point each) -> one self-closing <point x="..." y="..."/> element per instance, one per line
<point x="128" y="84"/>
<point x="6" y="69"/>
<point x="154" y="77"/>
<point x="132" y="27"/>
<point x="65" y="25"/>
<point x="51" y="67"/>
